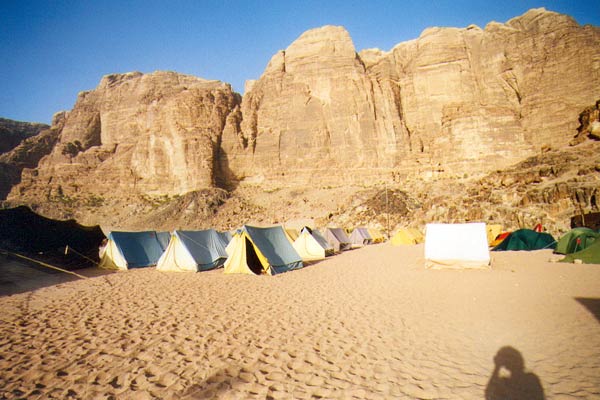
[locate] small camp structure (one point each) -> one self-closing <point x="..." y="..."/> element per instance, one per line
<point x="499" y="239"/>
<point x="360" y="237"/>
<point x="292" y="234"/>
<point x="164" y="238"/>
<point x="126" y="250"/>
<point x="376" y="235"/>
<point x="407" y="236"/>
<point x="575" y="240"/>
<point x="493" y="230"/>
<point x="527" y="239"/>
<point x="226" y="236"/>
<point x="590" y="255"/>
<point x="329" y="250"/>
<point x="310" y="246"/>
<point x="338" y="239"/>
<point x="194" y="251"/>
<point x="256" y="250"/>
<point x="456" y="246"/>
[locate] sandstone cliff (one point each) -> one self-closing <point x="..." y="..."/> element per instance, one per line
<point x="132" y="139"/>
<point x="12" y="133"/>
<point x="37" y="141"/>
<point x="452" y="101"/>
<point x="438" y="119"/>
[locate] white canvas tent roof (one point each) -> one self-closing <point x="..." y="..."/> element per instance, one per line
<point x="193" y="251"/>
<point x="456" y="246"/>
<point x="311" y="248"/>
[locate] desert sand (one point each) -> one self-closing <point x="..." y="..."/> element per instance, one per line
<point x="370" y="323"/>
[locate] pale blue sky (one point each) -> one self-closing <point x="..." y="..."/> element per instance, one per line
<point x="51" y="50"/>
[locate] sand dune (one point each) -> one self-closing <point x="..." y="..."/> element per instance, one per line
<point x="366" y="324"/>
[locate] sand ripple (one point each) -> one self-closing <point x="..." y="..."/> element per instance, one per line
<point x="366" y="324"/>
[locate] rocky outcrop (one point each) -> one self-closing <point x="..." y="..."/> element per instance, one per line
<point x="453" y="101"/>
<point x="135" y="136"/>
<point x="589" y="125"/>
<point x="12" y="133"/>
<point x="548" y="188"/>
<point x="27" y="154"/>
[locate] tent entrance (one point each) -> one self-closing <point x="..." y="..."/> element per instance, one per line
<point x="252" y="259"/>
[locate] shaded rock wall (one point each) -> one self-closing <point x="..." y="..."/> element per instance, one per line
<point x="12" y="133"/>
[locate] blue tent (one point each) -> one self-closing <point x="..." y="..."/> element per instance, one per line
<point x="338" y="239"/>
<point x="194" y="251"/>
<point x="163" y="238"/>
<point x="126" y="250"/>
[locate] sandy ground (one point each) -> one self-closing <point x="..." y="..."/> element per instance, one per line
<point x="369" y="323"/>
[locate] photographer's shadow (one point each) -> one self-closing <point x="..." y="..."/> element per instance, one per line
<point x="510" y="380"/>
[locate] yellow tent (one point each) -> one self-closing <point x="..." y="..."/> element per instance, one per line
<point x="407" y="236"/>
<point x="376" y="235"/>
<point x="493" y="230"/>
<point x="254" y="250"/>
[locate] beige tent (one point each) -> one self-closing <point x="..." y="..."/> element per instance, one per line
<point x="194" y="251"/>
<point x="407" y="236"/>
<point x="292" y="234"/>
<point x="308" y="247"/>
<point x="376" y="235"/>
<point x="493" y="230"/>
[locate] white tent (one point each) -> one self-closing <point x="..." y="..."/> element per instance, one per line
<point x="456" y="246"/>
<point x="310" y="246"/>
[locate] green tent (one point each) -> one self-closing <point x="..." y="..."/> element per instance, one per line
<point x="526" y="239"/>
<point x="590" y="255"/>
<point x="576" y="240"/>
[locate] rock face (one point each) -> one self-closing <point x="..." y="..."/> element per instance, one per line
<point x="324" y="127"/>
<point x="589" y="124"/>
<point x="27" y="153"/>
<point x="12" y="133"/>
<point x="451" y="101"/>
<point x="136" y="135"/>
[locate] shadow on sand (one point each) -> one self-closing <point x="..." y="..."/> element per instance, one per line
<point x="593" y="305"/>
<point x="509" y="379"/>
<point x="18" y="276"/>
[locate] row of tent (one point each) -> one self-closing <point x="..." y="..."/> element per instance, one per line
<point x="273" y="250"/>
<point x="255" y="250"/>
